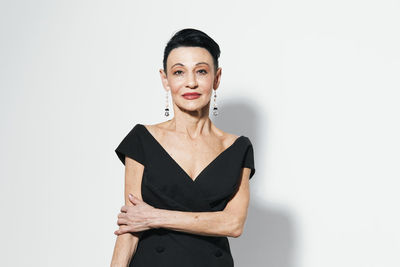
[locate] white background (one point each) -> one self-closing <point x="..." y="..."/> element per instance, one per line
<point x="313" y="84"/>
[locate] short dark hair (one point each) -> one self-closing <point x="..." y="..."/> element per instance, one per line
<point x="190" y="37"/>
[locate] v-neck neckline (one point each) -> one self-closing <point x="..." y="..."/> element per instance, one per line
<point x="179" y="166"/>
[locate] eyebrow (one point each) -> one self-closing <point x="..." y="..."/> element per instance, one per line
<point x="180" y="64"/>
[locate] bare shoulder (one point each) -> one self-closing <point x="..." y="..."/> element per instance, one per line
<point x="232" y="136"/>
<point x="157" y="129"/>
<point x="225" y="137"/>
<point x="163" y="129"/>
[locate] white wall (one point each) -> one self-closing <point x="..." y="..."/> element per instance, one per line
<point x="314" y="84"/>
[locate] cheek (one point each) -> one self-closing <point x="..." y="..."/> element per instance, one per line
<point x="179" y="83"/>
<point x="176" y="84"/>
<point x="206" y="81"/>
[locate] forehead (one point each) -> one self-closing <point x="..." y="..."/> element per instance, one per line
<point x="189" y="56"/>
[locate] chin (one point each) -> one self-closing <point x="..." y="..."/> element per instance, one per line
<point x="193" y="108"/>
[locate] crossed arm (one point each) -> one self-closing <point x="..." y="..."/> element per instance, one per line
<point x="228" y="222"/>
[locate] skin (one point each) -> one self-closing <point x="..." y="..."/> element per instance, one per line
<point x="190" y="132"/>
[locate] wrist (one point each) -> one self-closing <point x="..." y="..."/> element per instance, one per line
<point x="157" y="218"/>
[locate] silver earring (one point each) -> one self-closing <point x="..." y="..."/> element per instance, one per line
<point x="166" y="110"/>
<point x="215" y="108"/>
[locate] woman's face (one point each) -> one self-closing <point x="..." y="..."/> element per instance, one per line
<point x="190" y="70"/>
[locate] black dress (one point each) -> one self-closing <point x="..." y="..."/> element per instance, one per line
<point x="166" y="185"/>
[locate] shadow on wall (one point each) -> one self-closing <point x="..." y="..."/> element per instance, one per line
<point x="268" y="239"/>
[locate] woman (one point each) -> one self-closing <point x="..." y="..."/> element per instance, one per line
<point x="188" y="179"/>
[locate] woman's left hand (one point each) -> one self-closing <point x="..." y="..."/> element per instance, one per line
<point x="135" y="218"/>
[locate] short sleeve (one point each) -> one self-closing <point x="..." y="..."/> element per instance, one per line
<point x="248" y="159"/>
<point x="131" y="146"/>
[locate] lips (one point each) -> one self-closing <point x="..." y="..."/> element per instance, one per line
<point x="191" y="94"/>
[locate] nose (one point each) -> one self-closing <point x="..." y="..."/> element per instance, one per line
<point x="191" y="81"/>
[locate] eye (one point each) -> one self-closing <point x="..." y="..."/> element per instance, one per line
<point x="178" y="72"/>
<point x="203" y="71"/>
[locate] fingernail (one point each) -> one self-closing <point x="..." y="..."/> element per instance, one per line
<point x="130" y="195"/>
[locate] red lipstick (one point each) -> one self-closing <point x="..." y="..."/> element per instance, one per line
<point x="190" y="96"/>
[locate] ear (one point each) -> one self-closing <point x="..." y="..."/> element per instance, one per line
<point x="164" y="80"/>
<point x="217" y="78"/>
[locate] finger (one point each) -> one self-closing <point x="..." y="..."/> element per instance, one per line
<point x="122" y="222"/>
<point x="121" y="230"/>
<point x="124" y="208"/>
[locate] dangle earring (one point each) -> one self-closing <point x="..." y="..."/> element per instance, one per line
<point x="166" y="113"/>
<point x="215" y="108"/>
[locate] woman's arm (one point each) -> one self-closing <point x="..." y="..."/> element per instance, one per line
<point x="126" y="244"/>
<point x="229" y="222"/>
